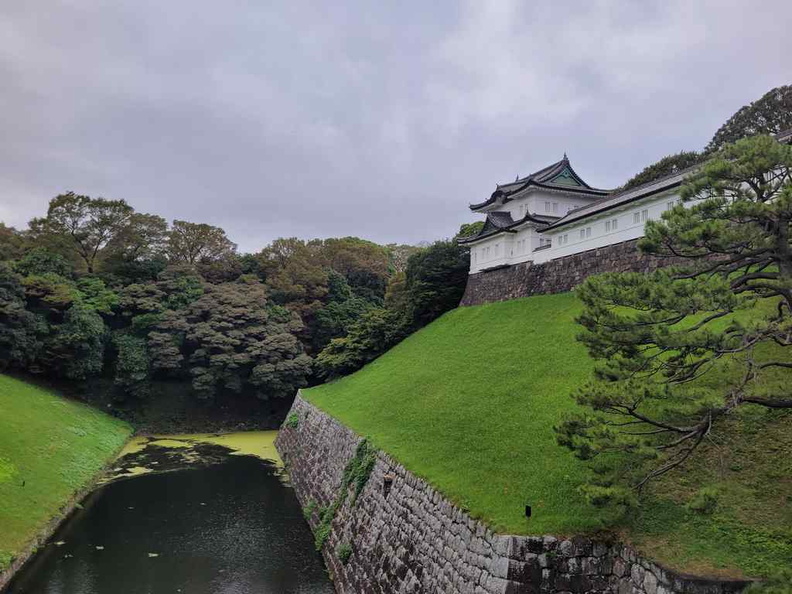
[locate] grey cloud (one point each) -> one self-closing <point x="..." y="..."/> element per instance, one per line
<point x="383" y="121"/>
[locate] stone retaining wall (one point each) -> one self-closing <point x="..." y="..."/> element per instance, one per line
<point x="558" y="276"/>
<point x="411" y="539"/>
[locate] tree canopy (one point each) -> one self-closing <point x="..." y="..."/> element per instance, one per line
<point x="770" y="114"/>
<point x="666" y="166"/>
<point x="432" y="283"/>
<point x="680" y="349"/>
<point x="82" y="224"/>
<point x="191" y="243"/>
<point x="95" y="289"/>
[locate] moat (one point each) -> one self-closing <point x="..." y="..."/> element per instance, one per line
<point x="206" y="522"/>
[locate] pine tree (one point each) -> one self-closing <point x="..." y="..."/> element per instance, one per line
<point x="666" y="343"/>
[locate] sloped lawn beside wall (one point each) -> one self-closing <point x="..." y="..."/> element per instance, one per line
<point x="469" y="403"/>
<point x="50" y="448"/>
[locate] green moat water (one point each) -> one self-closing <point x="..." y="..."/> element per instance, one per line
<point x="215" y="517"/>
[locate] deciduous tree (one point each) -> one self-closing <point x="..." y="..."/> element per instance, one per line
<point x="435" y="280"/>
<point x="82" y="224"/>
<point x="191" y="243"/>
<point x="231" y="339"/>
<point x="19" y="328"/>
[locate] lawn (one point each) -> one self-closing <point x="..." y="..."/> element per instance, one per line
<point x="50" y="448"/>
<point x="469" y="403"/>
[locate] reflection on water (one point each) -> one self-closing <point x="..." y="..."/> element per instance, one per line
<point x="232" y="527"/>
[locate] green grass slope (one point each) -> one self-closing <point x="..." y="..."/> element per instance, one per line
<point x="469" y="403"/>
<point x="50" y="448"/>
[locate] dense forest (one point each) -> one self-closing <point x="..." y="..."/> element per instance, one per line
<point x="96" y="290"/>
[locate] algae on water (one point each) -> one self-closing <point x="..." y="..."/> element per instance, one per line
<point x="160" y="453"/>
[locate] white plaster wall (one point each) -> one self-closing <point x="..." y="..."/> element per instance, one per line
<point x="507" y="248"/>
<point x="600" y="236"/>
<point x="541" y="202"/>
<point x="494" y="251"/>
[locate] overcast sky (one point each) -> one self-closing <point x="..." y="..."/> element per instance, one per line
<point x="377" y="119"/>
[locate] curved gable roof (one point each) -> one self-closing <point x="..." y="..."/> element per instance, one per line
<point x="501" y="222"/>
<point x="558" y="176"/>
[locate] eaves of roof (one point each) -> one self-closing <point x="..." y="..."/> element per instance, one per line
<point x="593" y="192"/>
<point x="625" y="197"/>
<point x="491" y="228"/>
<point x="646" y="190"/>
<point x="541" y="179"/>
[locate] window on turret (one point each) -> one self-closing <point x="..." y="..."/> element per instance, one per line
<point x="611" y="225"/>
<point x="644" y="215"/>
<point x="555" y="207"/>
<point x="636" y="217"/>
<point x="547" y="207"/>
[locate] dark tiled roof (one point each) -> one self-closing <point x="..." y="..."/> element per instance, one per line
<point x="544" y="178"/>
<point x="625" y="197"/>
<point x="499" y="221"/>
<point x="609" y="201"/>
<point x="784" y="136"/>
<point x="662" y="184"/>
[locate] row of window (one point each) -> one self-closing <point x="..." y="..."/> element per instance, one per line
<point x="549" y="208"/>
<point x="611" y="225"/>
<point x="486" y="252"/>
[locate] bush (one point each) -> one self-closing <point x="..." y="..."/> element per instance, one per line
<point x="344" y="552"/>
<point x="377" y="331"/>
<point x="309" y="510"/>
<point x="705" y="501"/>
<point x="292" y="421"/>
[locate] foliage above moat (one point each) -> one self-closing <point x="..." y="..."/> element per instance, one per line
<point x="95" y="289"/>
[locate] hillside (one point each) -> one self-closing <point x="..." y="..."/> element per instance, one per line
<point x="50" y="448"/>
<point x="470" y="401"/>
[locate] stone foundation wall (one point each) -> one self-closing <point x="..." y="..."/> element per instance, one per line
<point x="411" y="539"/>
<point x="558" y="276"/>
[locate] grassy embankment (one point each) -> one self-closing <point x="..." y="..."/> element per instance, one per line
<point x="470" y="402"/>
<point x="50" y="448"/>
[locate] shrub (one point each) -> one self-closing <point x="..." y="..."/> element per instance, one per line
<point x="292" y="421"/>
<point x="356" y="475"/>
<point x="309" y="509"/>
<point x="344" y="552"/>
<point x="705" y="501"/>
